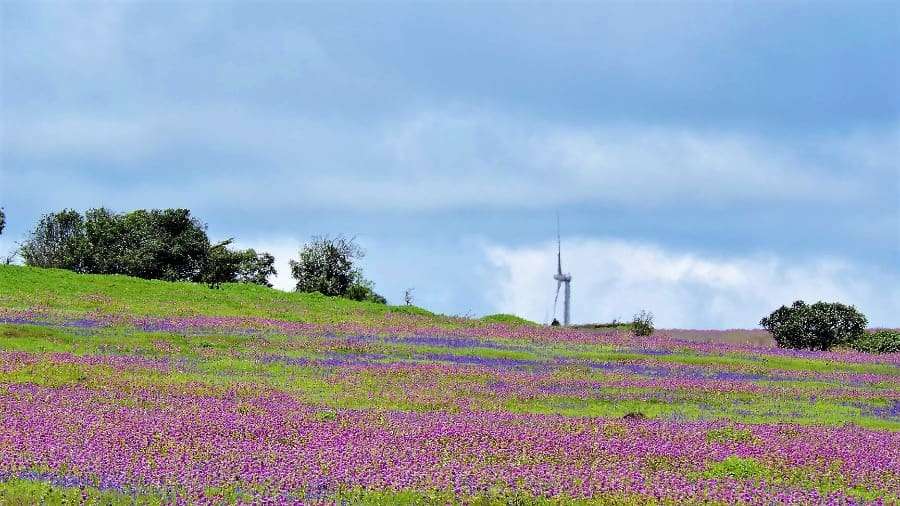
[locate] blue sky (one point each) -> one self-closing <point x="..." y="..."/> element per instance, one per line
<point x="710" y="161"/>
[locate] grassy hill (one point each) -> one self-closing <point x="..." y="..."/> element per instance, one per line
<point x="56" y="289"/>
<point x="116" y="390"/>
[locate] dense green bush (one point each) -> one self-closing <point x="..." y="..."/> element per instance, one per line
<point x="881" y="341"/>
<point x="642" y="324"/>
<point x="167" y="244"/>
<point x="58" y="241"/>
<point x="241" y="266"/>
<point x="326" y="265"/>
<point x="364" y="290"/>
<point x="819" y="326"/>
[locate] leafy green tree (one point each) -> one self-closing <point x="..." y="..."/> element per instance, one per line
<point x="256" y="268"/>
<point x="108" y="245"/>
<point x="364" y="290"/>
<point x="167" y="244"/>
<point x="326" y="265"/>
<point x="819" y="326"/>
<point x="238" y="266"/>
<point x="642" y="323"/>
<point x="58" y="241"/>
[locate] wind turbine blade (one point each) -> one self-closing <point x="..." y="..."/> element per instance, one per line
<point x="558" y="248"/>
<point x="556" y="299"/>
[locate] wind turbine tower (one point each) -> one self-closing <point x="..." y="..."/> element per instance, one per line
<point x="561" y="278"/>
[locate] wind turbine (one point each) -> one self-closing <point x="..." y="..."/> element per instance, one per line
<point x="561" y="278"/>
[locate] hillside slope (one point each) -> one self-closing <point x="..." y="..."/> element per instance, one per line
<point x="61" y="290"/>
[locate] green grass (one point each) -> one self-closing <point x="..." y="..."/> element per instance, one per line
<point x="509" y="319"/>
<point x="28" y="287"/>
<point x="18" y="492"/>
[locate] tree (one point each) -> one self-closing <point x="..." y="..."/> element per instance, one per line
<point x="256" y="268"/>
<point x="364" y="290"/>
<point x="2" y="220"/>
<point x="238" y="266"/>
<point x="642" y="323"/>
<point x="108" y="244"/>
<point x="58" y="241"/>
<point x="167" y="244"/>
<point x="819" y="326"/>
<point x="326" y="265"/>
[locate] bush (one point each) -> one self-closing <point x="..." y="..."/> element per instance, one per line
<point x="167" y="244"/>
<point x="364" y="290"/>
<point x="58" y="242"/>
<point x="326" y="265"/>
<point x="881" y="341"/>
<point x="642" y="324"/>
<point x="820" y="326"/>
<point x="238" y="266"/>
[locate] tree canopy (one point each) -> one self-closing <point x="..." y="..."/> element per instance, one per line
<point x="819" y="326"/>
<point x="167" y="244"/>
<point x="326" y="265"/>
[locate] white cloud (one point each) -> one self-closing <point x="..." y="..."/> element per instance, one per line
<point x="615" y="279"/>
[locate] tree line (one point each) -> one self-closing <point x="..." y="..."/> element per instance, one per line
<point x="173" y="245"/>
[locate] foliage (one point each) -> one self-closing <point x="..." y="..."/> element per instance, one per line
<point x="642" y="324"/>
<point x="364" y="290"/>
<point x="166" y="244"/>
<point x="256" y="268"/>
<point x="819" y="326"/>
<point x="2" y="220"/>
<point x="58" y="241"/>
<point x="880" y="341"/>
<point x="326" y="265"/>
<point x="242" y="266"/>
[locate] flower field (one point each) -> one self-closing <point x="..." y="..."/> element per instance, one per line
<point x="120" y="391"/>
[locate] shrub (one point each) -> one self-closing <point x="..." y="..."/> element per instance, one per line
<point x="364" y="290"/>
<point x="167" y="244"/>
<point x="238" y="266"/>
<point x="642" y="324"/>
<point x="881" y="341"/>
<point x="819" y="326"/>
<point x="326" y="265"/>
<point x="58" y="241"/>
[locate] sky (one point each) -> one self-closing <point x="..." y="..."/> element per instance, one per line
<point x="709" y="161"/>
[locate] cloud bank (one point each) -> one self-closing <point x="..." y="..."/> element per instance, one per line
<point x="615" y="279"/>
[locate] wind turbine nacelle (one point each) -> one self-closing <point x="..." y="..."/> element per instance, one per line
<point x="563" y="277"/>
